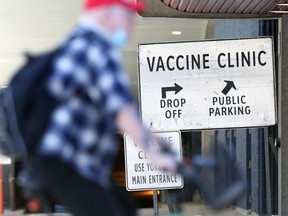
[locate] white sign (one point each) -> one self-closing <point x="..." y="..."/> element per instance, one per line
<point x="142" y="174"/>
<point x="207" y="84"/>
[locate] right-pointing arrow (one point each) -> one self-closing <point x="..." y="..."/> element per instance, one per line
<point x="175" y="88"/>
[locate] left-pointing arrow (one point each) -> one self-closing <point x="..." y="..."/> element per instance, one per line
<point x="176" y="88"/>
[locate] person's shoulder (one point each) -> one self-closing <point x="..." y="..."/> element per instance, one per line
<point x="79" y="40"/>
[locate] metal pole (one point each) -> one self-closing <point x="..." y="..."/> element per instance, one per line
<point x="155" y="203"/>
<point x="267" y="171"/>
<point x="1" y="186"/>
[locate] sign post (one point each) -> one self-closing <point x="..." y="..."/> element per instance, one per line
<point x="155" y="203"/>
<point x="207" y="84"/>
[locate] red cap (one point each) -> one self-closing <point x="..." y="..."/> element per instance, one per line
<point x="131" y="4"/>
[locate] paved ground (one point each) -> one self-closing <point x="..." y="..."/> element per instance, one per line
<point x="193" y="210"/>
<point x="189" y="210"/>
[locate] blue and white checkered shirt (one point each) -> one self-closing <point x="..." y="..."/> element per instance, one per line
<point x="89" y="78"/>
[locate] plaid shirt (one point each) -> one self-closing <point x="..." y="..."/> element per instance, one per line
<point x="88" y="77"/>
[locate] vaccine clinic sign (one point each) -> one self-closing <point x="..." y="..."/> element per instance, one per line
<point x="207" y="84"/>
<point x="141" y="173"/>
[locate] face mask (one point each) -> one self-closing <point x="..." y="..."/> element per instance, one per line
<point x="119" y="38"/>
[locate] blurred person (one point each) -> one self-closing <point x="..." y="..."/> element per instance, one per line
<point x="74" y="159"/>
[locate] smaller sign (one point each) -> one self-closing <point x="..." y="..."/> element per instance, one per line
<point x="142" y="174"/>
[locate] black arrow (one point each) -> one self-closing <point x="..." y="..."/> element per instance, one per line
<point x="230" y="84"/>
<point x="175" y="88"/>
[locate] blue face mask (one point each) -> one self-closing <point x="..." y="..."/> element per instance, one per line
<point x="119" y="38"/>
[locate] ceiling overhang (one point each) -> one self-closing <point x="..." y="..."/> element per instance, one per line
<point x="229" y="6"/>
